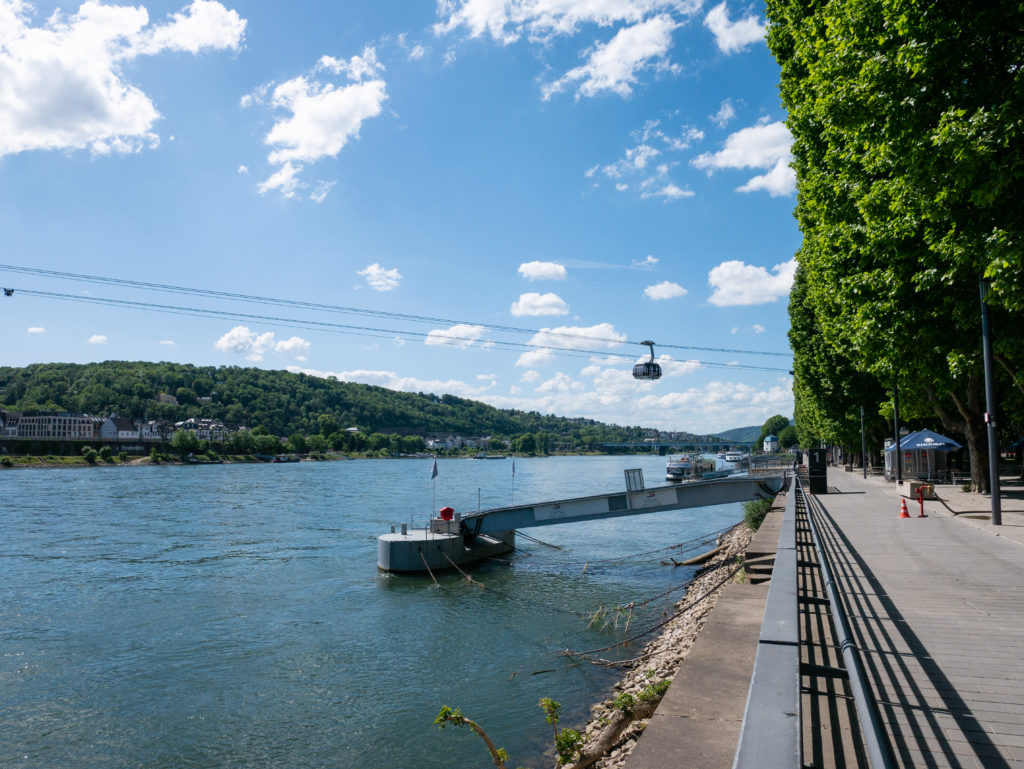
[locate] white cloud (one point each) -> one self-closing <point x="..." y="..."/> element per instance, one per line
<point x="542" y="271"/>
<point x="530" y="376"/>
<point x="535" y="358"/>
<point x="652" y="188"/>
<point x="241" y="341"/>
<point x="614" y="65"/>
<point x="379" y="278"/>
<point x="733" y="36"/>
<point x="764" y="145"/>
<point x="97" y="339"/>
<point x="202" y="26"/>
<point x="167" y="342"/>
<point x="243" y="169"/>
<point x="64" y="83"/>
<point x="36" y="330"/>
<point x="398" y="342"/>
<point x="393" y="381"/>
<point x="757" y="328"/>
<point x="539" y="304"/>
<point x="600" y="335"/>
<point x="647" y="263"/>
<point x="320" y="192"/>
<point x="460" y="335"/>
<point x="294" y="345"/>
<point x="560" y="383"/>
<point x="725" y="113"/>
<point x="508" y="20"/>
<point x="664" y="290"/>
<point x="737" y="283"/>
<point x="286" y="179"/>
<point x="321" y="117"/>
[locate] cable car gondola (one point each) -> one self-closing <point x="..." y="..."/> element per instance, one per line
<point x="647" y="369"/>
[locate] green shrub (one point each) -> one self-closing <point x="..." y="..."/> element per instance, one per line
<point x="754" y="512"/>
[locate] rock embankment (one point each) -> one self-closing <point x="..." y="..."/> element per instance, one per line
<point x="611" y="733"/>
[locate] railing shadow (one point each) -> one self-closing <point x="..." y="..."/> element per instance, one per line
<point x="889" y="645"/>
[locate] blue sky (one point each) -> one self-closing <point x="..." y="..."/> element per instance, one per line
<point x="511" y="193"/>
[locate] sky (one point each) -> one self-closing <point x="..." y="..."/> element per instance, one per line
<point x="497" y="199"/>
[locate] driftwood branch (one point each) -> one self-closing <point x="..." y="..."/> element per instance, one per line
<point x="609" y="736"/>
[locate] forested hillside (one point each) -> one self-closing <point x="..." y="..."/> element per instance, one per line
<point x="283" y="402"/>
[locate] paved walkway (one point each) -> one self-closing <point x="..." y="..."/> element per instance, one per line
<point x="937" y="608"/>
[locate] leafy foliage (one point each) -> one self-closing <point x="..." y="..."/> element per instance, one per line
<point x="754" y="512"/>
<point x="286" y="404"/>
<point x="907" y="147"/>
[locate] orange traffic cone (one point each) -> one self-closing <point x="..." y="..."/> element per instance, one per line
<point x="903" y="509"/>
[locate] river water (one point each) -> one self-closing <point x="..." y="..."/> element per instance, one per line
<point x="233" y="615"/>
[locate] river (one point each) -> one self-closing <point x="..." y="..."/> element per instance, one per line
<point x="233" y="616"/>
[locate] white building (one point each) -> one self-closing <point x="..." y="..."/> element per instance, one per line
<point x="771" y="444"/>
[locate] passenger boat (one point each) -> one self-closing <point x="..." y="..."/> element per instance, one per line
<point x="733" y="456"/>
<point x="678" y="468"/>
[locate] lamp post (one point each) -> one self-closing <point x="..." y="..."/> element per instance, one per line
<point x="863" y="446"/>
<point x="896" y="426"/>
<point x="990" y="410"/>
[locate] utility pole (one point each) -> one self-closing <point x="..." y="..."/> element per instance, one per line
<point x="896" y="427"/>
<point x="990" y="410"/>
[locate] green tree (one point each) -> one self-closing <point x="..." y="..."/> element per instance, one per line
<point x="906" y="145"/>
<point x="328" y="424"/>
<point x="185" y="442"/>
<point x="297" y="443"/>
<point x="772" y="426"/>
<point x="788" y="437"/>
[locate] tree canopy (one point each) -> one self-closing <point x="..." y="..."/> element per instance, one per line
<point x="907" y="124"/>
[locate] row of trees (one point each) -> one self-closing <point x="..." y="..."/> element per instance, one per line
<point x="907" y="145"/>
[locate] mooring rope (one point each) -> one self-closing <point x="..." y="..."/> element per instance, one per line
<point x="460" y="571"/>
<point x="428" y="568"/>
<point x="586" y="654"/>
<point x="702" y="539"/>
<point x="538" y="541"/>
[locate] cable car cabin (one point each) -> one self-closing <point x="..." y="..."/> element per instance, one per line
<point x="647" y="370"/>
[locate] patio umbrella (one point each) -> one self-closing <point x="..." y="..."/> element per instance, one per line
<point x="924" y="440"/>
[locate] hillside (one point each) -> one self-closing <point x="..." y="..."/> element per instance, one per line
<point x="744" y="434"/>
<point x="283" y="402"/>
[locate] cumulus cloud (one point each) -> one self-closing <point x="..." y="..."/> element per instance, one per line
<point x="535" y="358"/>
<point x="320" y="191"/>
<point x="664" y="290"/>
<point x="167" y="342"/>
<point x="560" y="383"/>
<point x="394" y="381"/>
<point x="295" y="344"/>
<point x="36" y="330"/>
<point x="64" y="82"/>
<point x="757" y="328"/>
<point x="647" y="263"/>
<point x="764" y="145"/>
<point x="542" y="271"/>
<point x="460" y="335"/>
<point x="534" y="304"/>
<point x="317" y="118"/>
<point x="737" y="283"/>
<point x="599" y="335"/>
<point x="97" y="339"/>
<point x="540" y="20"/>
<point x="724" y="115"/>
<point x="379" y="278"/>
<point x="242" y="341"/>
<point x="733" y="36"/>
<point x="614" y="66"/>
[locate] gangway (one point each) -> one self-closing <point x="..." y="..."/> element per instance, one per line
<point x="467" y="538"/>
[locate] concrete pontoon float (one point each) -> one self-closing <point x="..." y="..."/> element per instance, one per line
<point x="457" y="540"/>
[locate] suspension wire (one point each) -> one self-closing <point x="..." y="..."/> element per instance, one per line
<point x="344" y="328"/>
<point x="215" y="294"/>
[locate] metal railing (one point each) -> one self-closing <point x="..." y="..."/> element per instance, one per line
<point x="772" y="731"/>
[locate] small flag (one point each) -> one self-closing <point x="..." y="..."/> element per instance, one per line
<point x="433" y="470"/>
<point x="513" y="467"/>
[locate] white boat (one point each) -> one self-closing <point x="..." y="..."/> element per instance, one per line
<point x="678" y="468"/>
<point x="733" y="456"/>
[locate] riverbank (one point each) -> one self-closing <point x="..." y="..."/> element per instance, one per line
<point x="661" y="658"/>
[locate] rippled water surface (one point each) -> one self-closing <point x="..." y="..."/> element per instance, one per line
<point x="233" y="616"/>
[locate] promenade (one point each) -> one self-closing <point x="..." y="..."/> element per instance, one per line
<point x="936" y="607"/>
